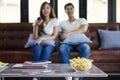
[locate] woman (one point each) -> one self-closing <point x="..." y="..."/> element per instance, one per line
<point x="46" y="26"/>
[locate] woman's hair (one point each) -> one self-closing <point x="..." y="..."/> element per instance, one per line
<point x="52" y="15"/>
<point x="68" y="4"/>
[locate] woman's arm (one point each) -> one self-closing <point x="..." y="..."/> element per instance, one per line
<point x="35" y="28"/>
<point x="54" y="36"/>
<point x="35" y="32"/>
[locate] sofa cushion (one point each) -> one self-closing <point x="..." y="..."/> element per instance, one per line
<point x="16" y="56"/>
<point x="13" y="36"/>
<point x="110" y="68"/>
<point x="31" y="41"/>
<point x="99" y="56"/>
<point x="92" y="32"/>
<point x="105" y="56"/>
<point x="109" y="39"/>
<point x="55" y="57"/>
<point x="76" y="39"/>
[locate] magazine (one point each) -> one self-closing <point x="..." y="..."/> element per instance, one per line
<point x="31" y="65"/>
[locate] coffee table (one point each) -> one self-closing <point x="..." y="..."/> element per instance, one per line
<point x="53" y="70"/>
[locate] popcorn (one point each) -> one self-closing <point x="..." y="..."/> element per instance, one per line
<point x="1" y="63"/>
<point x="81" y="64"/>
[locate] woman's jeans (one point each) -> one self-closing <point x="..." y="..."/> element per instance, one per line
<point x="42" y="53"/>
<point x="64" y="50"/>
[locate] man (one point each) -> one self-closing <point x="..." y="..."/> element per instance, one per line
<point x="69" y="27"/>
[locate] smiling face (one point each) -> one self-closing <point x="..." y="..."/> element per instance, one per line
<point x="69" y="10"/>
<point x="46" y="10"/>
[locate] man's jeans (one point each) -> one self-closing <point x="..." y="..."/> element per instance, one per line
<point x="64" y="50"/>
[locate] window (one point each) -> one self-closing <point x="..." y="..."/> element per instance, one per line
<point x="97" y="11"/>
<point x="118" y="10"/>
<point x="62" y="16"/>
<point x="34" y="9"/>
<point x="9" y="11"/>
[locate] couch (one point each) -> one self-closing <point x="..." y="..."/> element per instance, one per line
<point x="13" y="37"/>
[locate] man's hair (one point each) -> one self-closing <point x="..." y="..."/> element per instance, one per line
<point x="68" y="4"/>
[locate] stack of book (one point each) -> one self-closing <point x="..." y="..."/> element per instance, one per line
<point x="3" y="66"/>
<point x="32" y="65"/>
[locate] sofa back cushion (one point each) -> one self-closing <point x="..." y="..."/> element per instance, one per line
<point x="13" y="36"/>
<point x="92" y="32"/>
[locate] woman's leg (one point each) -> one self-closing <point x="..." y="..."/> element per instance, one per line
<point x="37" y="49"/>
<point x="48" y="50"/>
<point x="84" y="50"/>
<point x="64" y="51"/>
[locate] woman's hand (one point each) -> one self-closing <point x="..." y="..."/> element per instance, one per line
<point x="38" y="22"/>
<point x="38" y="41"/>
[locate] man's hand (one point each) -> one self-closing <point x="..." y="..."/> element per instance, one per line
<point x="65" y="35"/>
<point x="38" y="41"/>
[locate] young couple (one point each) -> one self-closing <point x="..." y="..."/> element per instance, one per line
<point x="48" y="25"/>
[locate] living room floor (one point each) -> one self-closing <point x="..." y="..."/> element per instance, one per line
<point x="108" y="78"/>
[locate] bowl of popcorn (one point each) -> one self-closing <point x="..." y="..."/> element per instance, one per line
<point x="81" y="64"/>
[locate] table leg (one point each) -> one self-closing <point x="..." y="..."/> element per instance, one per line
<point x="2" y="78"/>
<point x="68" y="78"/>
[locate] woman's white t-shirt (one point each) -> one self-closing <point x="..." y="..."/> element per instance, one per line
<point x="49" y="28"/>
<point x="67" y="26"/>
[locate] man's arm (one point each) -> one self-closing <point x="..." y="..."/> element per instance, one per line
<point x="81" y="30"/>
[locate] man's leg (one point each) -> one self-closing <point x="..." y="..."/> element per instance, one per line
<point x="64" y="51"/>
<point x="48" y="50"/>
<point x="84" y="50"/>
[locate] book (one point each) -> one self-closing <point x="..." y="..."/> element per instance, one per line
<point x="31" y="65"/>
<point x="36" y="63"/>
<point x="3" y="65"/>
